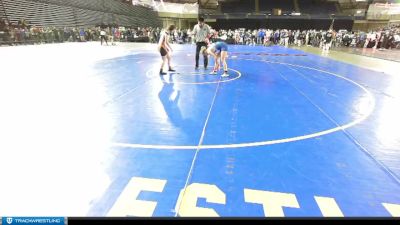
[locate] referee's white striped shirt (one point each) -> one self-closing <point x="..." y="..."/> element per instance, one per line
<point x="201" y="34"/>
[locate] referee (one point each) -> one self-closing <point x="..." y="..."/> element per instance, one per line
<point x="201" y="31"/>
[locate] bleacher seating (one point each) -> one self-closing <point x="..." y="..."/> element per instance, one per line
<point x="285" y="5"/>
<point x="315" y="7"/>
<point x="73" y="13"/>
<point x="309" y="7"/>
<point x="2" y="14"/>
<point x="241" y="6"/>
<point x="208" y="11"/>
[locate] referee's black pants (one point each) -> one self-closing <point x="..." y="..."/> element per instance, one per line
<point x="198" y="47"/>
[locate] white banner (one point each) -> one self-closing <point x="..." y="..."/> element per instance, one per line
<point x="176" y="7"/>
<point x="142" y="2"/>
<point x="382" y="11"/>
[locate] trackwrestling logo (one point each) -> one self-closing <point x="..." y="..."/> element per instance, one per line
<point x="33" y="220"/>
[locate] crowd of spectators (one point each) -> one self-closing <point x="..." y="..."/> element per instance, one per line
<point x="24" y="33"/>
<point x="387" y="37"/>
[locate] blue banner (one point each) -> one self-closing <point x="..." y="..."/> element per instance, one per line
<point x="32" y="220"/>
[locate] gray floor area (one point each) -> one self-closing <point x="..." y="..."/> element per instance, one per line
<point x="370" y="61"/>
<point x="388" y="54"/>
